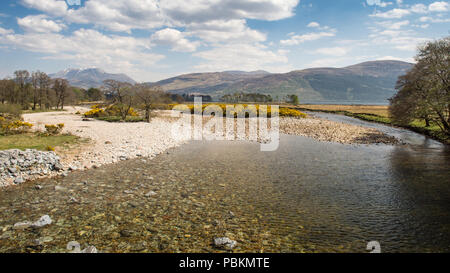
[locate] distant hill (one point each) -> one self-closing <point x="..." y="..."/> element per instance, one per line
<point x="369" y="82"/>
<point x="207" y="83"/>
<point x="91" y="77"/>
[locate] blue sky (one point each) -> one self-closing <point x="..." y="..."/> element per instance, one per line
<point x="154" y="39"/>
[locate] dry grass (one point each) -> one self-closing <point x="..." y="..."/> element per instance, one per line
<point x="379" y="110"/>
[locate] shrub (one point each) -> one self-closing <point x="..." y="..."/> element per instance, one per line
<point x="11" y="109"/>
<point x="54" y="129"/>
<point x="16" y="127"/>
<point x="114" y="110"/>
<point x="283" y="111"/>
<point x="95" y="113"/>
<point x="288" y="112"/>
<point x="49" y="148"/>
<point x="110" y="111"/>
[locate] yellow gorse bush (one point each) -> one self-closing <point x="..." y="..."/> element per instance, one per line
<point x="95" y="113"/>
<point x="16" y="127"/>
<point x="112" y="110"/>
<point x="54" y="129"/>
<point x="248" y="109"/>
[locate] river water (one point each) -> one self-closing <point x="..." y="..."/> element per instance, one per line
<point x="307" y="196"/>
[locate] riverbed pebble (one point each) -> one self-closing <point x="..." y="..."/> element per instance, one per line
<point x="225" y="242"/>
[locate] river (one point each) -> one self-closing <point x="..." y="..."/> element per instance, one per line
<point x="307" y="196"/>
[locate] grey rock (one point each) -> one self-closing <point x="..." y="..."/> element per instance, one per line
<point x="59" y="188"/>
<point x="90" y="249"/>
<point x="22" y="225"/>
<point x="19" y="180"/>
<point x="150" y="194"/>
<point x="42" y="222"/>
<point x="58" y="167"/>
<point x="225" y="243"/>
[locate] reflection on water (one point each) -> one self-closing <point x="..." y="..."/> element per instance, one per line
<point x="308" y="196"/>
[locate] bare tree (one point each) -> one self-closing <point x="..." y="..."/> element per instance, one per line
<point x="148" y="95"/>
<point x="44" y="90"/>
<point x="22" y="78"/>
<point x="36" y="87"/>
<point x="61" y="88"/>
<point x="122" y="94"/>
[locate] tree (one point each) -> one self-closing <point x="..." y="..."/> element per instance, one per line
<point x="293" y="99"/>
<point x="7" y="91"/>
<point x="36" y="87"/>
<point x="122" y="95"/>
<point x="22" y="80"/>
<point x="61" y="87"/>
<point x="94" y="94"/>
<point x="424" y="92"/>
<point x="148" y="95"/>
<point x="44" y="90"/>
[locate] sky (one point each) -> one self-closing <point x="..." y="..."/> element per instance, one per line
<point x="150" y="40"/>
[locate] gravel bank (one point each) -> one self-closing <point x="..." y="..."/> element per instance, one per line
<point x="325" y="130"/>
<point x="110" y="142"/>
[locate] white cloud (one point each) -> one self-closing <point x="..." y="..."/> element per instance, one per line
<point x="313" y="25"/>
<point x="242" y="56"/>
<point x="433" y="20"/>
<point x="175" y="39"/>
<point x="299" y="39"/>
<point x="439" y="7"/>
<point x="5" y="31"/>
<point x="414" y="9"/>
<point x="203" y="10"/>
<point x="419" y="8"/>
<point x="231" y="31"/>
<point x="393" y="25"/>
<point x="87" y="48"/>
<point x="39" y="23"/>
<point x="332" y="51"/>
<point x="53" y="7"/>
<point x="125" y="15"/>
<point x="392" y="14"/>
<point x="378" y="3"/>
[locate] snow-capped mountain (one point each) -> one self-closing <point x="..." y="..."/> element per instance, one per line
<point x="89" y="77"/>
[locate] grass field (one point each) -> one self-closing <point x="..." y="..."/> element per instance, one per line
<point x="380" y="114"/>
<point x="36" y="141"/>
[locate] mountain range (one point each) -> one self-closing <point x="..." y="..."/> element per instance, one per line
<point x="368" y="82"/>
<point x="89" y="77"/>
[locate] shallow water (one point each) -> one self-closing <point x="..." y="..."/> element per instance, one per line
<point x="308" y="196"/>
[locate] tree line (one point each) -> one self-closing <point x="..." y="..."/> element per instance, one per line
<point x="36" y="90"/>
<point x="256" y="97"/>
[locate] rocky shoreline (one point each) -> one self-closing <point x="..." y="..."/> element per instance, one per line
<point x="115" y="142"/>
